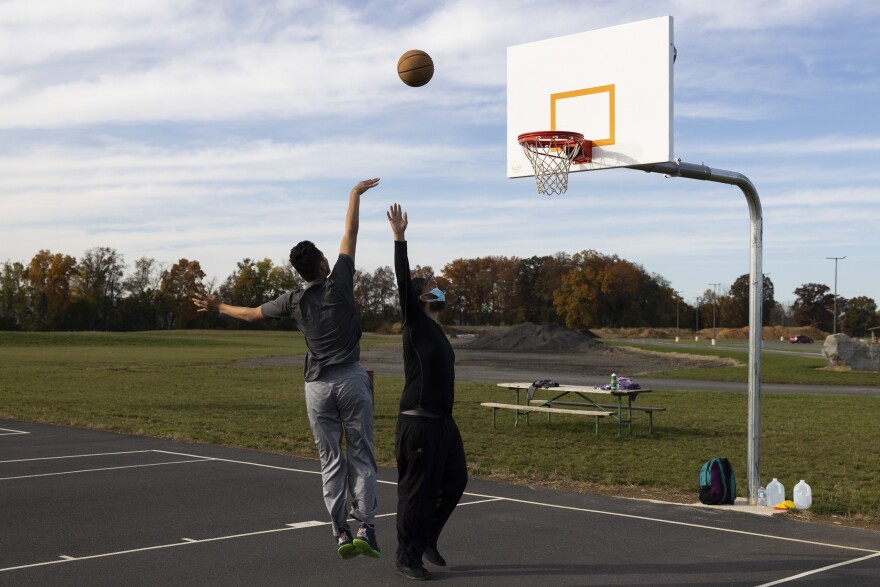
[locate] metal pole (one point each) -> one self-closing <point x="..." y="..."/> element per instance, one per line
<point x="834" y="318"/>
<point x="714" y="303"/>
<point x="677" y="310"/>
<point x="756" y="285"/>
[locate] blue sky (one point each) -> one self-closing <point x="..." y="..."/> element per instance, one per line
<point x="218" y="131"/>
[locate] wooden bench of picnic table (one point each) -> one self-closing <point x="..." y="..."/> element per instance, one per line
<point x="543" y="409"/>
<point x="647" y="409"/>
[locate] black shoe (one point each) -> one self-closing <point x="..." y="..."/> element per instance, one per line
<point x="345" y="546"/>
<point x="366" y="542"/>
<point x="418" y="573"/>
<point x="434" y="557"/>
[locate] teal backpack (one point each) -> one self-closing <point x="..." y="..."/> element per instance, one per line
<point x="717" y="482"/>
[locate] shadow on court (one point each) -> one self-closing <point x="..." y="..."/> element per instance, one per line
<point x="83" y="507"/>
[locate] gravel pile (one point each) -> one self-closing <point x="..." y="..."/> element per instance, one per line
<point x="534" y="337"/>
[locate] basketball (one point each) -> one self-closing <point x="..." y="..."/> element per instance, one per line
<point x="415" y="68"/>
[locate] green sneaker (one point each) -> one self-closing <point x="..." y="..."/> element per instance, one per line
<point x="345" y="546"/>
<point x="366" y="541"/>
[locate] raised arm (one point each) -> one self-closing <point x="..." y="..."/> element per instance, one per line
<point x="207" y="303"/>
<point x="352" y="217"/>
<point x="398" y="221"/>
<point x="409" y="304"/>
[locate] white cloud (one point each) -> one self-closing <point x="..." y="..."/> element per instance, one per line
<point x="222" y="130"/>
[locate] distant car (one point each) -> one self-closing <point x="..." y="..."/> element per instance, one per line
<point x="801" y="338"/>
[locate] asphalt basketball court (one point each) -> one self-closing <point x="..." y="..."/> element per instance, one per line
<point x="83" y="507"/>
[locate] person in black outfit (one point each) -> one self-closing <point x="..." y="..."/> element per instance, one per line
<point x="431" y="467"/>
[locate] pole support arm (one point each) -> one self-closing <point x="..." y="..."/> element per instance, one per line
<point x="756" y="296"/>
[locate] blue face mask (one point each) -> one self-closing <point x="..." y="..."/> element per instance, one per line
<point x="437" y="293"/>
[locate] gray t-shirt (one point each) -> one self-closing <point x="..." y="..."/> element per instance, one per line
<point x="324" y="312"/>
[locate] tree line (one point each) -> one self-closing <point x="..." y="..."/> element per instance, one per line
<point x="55" y="291"/>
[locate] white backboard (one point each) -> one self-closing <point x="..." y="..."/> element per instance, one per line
<point x="612" y="85"/>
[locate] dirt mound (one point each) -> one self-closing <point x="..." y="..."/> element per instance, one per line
<point x="769" y="333"/>
<point x="534" y="337"/>
<point x="641" y="332"/>
<point x="788" y="331"/>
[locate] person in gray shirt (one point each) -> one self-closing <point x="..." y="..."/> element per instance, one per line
<point x="337" y="388"/>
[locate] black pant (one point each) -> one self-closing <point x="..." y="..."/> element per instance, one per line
<point x="432" y="475"/>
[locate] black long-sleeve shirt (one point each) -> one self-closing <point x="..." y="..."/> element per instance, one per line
<point x="428" y="358"/>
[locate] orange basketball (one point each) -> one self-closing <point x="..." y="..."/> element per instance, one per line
<point x="415" y="68"/>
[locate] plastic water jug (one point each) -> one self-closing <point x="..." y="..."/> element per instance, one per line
<point x="761" y="497"/>
<point x="803" y="495"/>
<point x="775" y="492"/>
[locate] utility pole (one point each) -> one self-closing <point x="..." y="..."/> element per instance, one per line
<point x="836" y="259"/>
<point x="714" y="300"/>
<point x="677" y="304"/>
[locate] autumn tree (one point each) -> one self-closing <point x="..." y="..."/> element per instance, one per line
<point x="736" y="314"/>
<point x="579" y="298"/>
<point x="283" y="278"/>
<point x="177" y="286"/>
<point x="248" y="285"/>
<point x="813" y="306"/>
<point x="536" y="280"/>
<point x="142" y="308"/>
<point x="47" y="282"/>
<point x="658" y="301"/>
<point x="482" y="289"/>
<point x="375" y="297"/>
<point x="13" y="296"/>
<point x="97" y="287"/>
<point x="599" y="291"/>
<point x="861" y="314"/>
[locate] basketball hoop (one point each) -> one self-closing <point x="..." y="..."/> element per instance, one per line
<point x="551" y="154"/>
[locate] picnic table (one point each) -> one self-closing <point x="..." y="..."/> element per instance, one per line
<point x="564" y="395"/>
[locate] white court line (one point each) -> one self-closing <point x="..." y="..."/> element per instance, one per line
<point x="813" y="572"/>
<point x="10" y="432"/>
<point x="488" y="498"/>
<point x="104" y="469"/>
<point x="309" y="524"/>
<point x="97" y="454"/>
<point x="276" y="467"/>
<point x="184" y="542"/>
<point x="183" y="454"/>
<point x="690" y="525"/>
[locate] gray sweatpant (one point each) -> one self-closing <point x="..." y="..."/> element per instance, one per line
<point x="341" y="401"/>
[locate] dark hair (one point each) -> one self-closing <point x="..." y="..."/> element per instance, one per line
<point x="416" y="286"/>
<point x="306" y="259"/>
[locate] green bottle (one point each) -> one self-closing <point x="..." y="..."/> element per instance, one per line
<point x="613" y="382"/>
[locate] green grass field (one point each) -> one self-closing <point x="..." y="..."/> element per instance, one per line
<point x="188" y="385"/>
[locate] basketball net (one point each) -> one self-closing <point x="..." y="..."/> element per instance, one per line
<point x="551" y="154"/>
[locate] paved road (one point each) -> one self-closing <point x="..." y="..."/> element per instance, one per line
<point x="516" y="369"/>
<point x="813" y="351"/>
<point x="503" y="366"/>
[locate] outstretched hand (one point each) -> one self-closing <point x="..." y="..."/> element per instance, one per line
<point x="398" y="220"/>
<point x="206" y="303"/>
<point x="365" y="185"/>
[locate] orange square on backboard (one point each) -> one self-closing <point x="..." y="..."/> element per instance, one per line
<point x="595" y="121"/>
